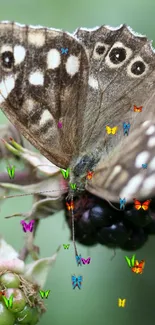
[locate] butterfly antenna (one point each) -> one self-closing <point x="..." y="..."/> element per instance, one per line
<point x="73" y="227"/>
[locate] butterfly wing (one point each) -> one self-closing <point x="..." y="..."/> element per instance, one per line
<point x="137" y="204"/>
<point x="47" y="293"/>
<point x="108" y="129"/>
<point x="79" y="259"/>
<point x="24" y="225"/>
<point x="74" y="281"/>
<point x="114" y="129"/>
<point x="42" y="293"/>
<point x="145" y="205"/>
<point x="79" y="281"/>
<point x="30" y="225"/>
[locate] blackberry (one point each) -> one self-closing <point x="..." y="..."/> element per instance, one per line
<point x="96" y="221"/>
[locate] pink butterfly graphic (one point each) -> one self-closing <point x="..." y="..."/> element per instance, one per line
<point x="27" y="226"/>
<point x="87" y="261"/>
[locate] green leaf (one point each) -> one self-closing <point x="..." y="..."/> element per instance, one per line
<point x="37" y="271"/>
<point x="128" y="261"/>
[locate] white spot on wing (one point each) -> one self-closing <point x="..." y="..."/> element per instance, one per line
<point x="19" y="54"/>
<point x="93" y="82"/>
<point x="6" y="87"/>
<point x="6" y="48"/>
<point x="145" y="123"/>
<point x="45" y="117"/>
<point x="151" y="142"/>
<point x="150" y="130"/>
<point x="142" y="158"/>
<point x="152" y="164"/>
<point x="36" y="38"/>
<point x="149" y="184"/>
<point x="131" y="187"/>
<point x="53" y="59"/>
<point x="36" y="78"/>
<point x="72" y="65"/>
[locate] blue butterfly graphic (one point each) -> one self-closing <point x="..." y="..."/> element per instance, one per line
<point x="78" y="259"/>
<point x="64" y="50"/>
<point x="77" y="281"/>
<point x="144" y="166"/>
<point x="126" y="128"/>
<point x="122" y="203"/>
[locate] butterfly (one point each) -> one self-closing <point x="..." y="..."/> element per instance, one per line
<point x="138" y="267"/>
<point x="27" y="226"/>
<point x="110" y="130"/>
<point x="66" y="246"/>
<point x="121" y="302"/>
<point x="87" y="261"/>
<point x="64" y="50"/>
<point x="11" y="172"/>
<point x="122" y="203"/>
<point x="84" y="84"/>
<point x="144" y="205"/>
<point x="70" y="206"/>
<point x="77" y="281"/>
<point x="78" y="259"/>
<point x="8" y="301"/>
<point x="137" y="109"/>
<point x="126" y="128"/>
<point x="89" y="175"/>
<point x="130" y="261"/>
<point x="44" y="294"/>
<point x="144" y="166"/>
<point x="59" y="125"/>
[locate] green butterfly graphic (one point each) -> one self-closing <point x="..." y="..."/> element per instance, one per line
<point x="66" y="246"/>
<point x="44" y="294"/>
<point x="73" y="186"/>
<point x="11" y="171"/>
<point x="65" y="173"/>
<point x="8" y="302"/>
<point x="130" y="261"/>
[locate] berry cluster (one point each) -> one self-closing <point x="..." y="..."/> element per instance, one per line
<point x="96" y="221"/>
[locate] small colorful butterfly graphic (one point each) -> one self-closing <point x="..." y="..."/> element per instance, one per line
<point x="11" y="171"/>
<point x="77" y="281"/>
<point x="79" y="259"/>
<point x="9" y="301"/>
<point x="73" y="186"/>
<point x="130" y="261"/>
<point x="65" y="173"/>
<point x="138" y="267"/>
<point x="44" y="294"/>
<point x="89" y="175"/>
<point x="144" y="166"/>
<point x="144" y="205"/>
<point x="110" y="130"/>
<point x="87" y="261"/>
<point x="70" y="206"/>
<point x="59" y="125"/>
<point x="64" y="50"/>
<point x="122" y="203"/>
<point x="137" y="109"/>
<point x="126" y="128"/>
<point x="121" y="302"/>
<point x="66" y="246"/>
<point x="27" y="226"/>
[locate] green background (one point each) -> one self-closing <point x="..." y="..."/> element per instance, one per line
<point x="104" y="280"/>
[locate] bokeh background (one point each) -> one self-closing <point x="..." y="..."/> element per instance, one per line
<point x="104" y="280"/>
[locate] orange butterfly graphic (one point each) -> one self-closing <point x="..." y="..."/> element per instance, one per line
<point x="137" y="109"/>
<point x="89" y="175"/>
<point x="138" y="267"/>
<point x="70" y="206"/>
<point x="144" y="205"/>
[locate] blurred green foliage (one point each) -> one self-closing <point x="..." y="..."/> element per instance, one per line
<point x="104" y="280"/>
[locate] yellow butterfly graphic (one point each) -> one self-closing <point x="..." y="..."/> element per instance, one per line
<point x="121" y="302"/>
<point x="111" y="130"/>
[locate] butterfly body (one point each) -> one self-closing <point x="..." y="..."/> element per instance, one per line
<point x="76" y="281"/>
<point x="27" y="227"/>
